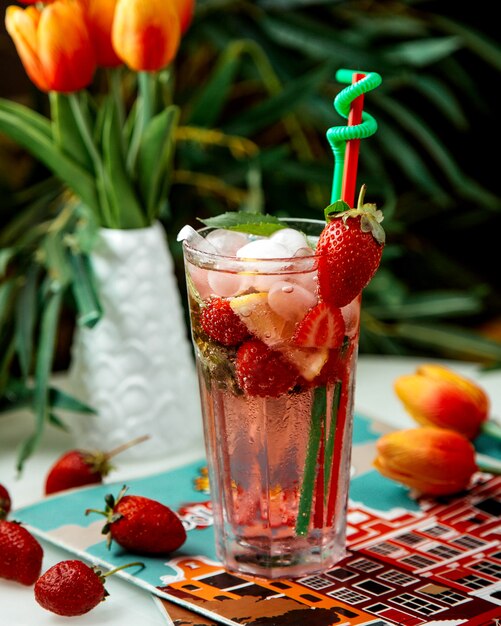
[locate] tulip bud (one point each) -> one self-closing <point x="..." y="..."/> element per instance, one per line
<point x="99" y="15"/>
<point x="437" y="396"/>
<point x="53" y="44"/>
<point x="433" y="461"/>
<point x="186" y="11"/>
<point x="146" y="35"/>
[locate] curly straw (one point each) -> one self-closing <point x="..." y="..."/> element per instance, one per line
<point x="339" y="135"/>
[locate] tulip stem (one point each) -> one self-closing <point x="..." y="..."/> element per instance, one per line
<point x="493" y="429"/>
<point x="488" y="464"/>
<point x="115" y="81"/>
<point x="86" y="135"/>
<point x="144" y="114"/>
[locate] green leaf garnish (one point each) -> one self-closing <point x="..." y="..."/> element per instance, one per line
<point x="336" y="207"/>
<point x="241" y="221"/>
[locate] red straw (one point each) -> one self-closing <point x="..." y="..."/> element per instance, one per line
<point x="341" y="425"/>
<point x="352" y="148"/>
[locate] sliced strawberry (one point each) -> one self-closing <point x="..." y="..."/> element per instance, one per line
<point x="221" y="324"/>
<point x="263" y="372"/>
<point x="321" y="327"/>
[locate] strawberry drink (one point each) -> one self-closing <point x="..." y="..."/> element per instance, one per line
<point x="275" y="324"/>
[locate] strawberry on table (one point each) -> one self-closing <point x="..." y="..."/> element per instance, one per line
<point x="72" y="588"/>
<point x="321" y="327"/>
<point x="5" y="501"/>
<point x="20" y="553"/>
<point x="141" y="525"/>
<point x="349" y="250"/>
<point x="77" y="468"/>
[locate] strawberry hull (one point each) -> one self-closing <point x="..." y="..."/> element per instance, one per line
<point x="277" y="408"/>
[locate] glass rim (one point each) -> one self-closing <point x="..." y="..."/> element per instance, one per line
<point x="213" y="257"/>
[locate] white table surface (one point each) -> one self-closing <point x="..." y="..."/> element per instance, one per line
<point x="128" y="605"/>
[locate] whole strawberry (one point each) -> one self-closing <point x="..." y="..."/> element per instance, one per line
<point x="5" y="502"/>
<point x="20" y="553"/>
<point x="263" y="372"/>
<point x="349" y="250"/>
<point x="72" y="588"/>
<point x="221" y="324"/>
<point x="141" y="525"/>
<point x="77" y="468"/>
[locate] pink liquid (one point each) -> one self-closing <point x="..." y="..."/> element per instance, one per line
<point x="257" y="454"/>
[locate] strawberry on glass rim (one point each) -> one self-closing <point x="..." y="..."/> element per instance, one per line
<point x="349" y="250"/>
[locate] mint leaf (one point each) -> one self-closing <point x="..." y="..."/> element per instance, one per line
<point x="336" y="207"/>
<point x="241" y="221"/>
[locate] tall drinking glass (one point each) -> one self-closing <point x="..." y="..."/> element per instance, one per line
<point x="276" y="373"/>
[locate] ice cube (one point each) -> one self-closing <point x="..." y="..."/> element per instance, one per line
<point x="308" y="280"/>
<point x="291" y="301"/>
<point x="200" y="280"/>
<point x="303" y="252"/>
<point x="226" y="284"/>
<point x="195" y="240"/>
<point x="263" y="249"/>
<point x="227" y="242"/>
<point x="291" y="239"/>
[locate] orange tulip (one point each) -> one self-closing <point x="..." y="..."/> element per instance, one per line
<point x="53" y="44"/>
<point x="433" y="461"/>
<point x="185" y="10"/>
<point x="146" y="35"/>
<point x="99" y="15"/>
<point x="437" y="396"/>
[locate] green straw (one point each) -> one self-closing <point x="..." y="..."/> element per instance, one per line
<point x="339" y="135"/>
<point x="329" y="448"/>
<point x="306" y="498"/>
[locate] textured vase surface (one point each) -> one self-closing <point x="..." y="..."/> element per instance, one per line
<point x="135" y="367"/>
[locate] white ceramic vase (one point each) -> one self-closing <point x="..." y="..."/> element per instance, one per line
<point x="135" y="367"/>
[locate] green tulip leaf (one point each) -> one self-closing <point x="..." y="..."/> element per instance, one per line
<point x="84" y="290"/>
<point x="28" y="117"/>
<point x="43" y="368"/>
<point x="55" y="259"/>
<point x="66" y="133"/>
<point x="32" y="131"/>
<point x="58" y="399"/>
<point x="26" y="306"/>
<point x="155" y="157"/>
<point x="56" y="421"/>
<point x="118" y="185"/>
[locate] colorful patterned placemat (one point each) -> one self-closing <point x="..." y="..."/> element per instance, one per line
<point x="434" y="562"/>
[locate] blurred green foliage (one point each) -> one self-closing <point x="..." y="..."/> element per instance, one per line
<point x="266" y="73"/>
<point x="255" y="83"/>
